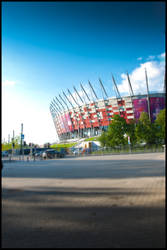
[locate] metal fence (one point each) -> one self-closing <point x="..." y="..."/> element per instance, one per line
<point x="11" y="158"/>
<point x="128" y="149"/>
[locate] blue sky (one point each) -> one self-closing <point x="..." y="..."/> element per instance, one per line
<point x="48" y="47"/>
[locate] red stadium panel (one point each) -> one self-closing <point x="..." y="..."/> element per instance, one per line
<point x="99" y="114"/>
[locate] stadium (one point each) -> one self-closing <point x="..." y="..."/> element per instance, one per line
<point x="83" y="117"/>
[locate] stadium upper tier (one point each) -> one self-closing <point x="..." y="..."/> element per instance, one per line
<point x="92" y="118"/>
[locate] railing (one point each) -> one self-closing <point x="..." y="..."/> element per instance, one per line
<point x="100" y="151"/>
<point x="124" y="150"/>
<point x="12" y="158"/>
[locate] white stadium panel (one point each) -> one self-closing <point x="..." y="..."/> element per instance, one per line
<point x="96" y="115"/>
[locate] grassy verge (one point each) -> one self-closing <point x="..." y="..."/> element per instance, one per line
<point x="92" y="139"/>
<point x="67" y="145"/>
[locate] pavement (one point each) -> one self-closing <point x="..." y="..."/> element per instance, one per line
<point x="113" y="201"/>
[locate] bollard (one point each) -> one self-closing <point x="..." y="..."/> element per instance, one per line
<point x="27" y="158"/>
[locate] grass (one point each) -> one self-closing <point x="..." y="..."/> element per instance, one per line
<point x="67" y="145"/>
<point x="92" y="139"/>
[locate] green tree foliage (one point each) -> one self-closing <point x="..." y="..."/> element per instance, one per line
<point x="145" y="130"/>
<point x="131" y="126"/>
<point x="160" y="124"/>
<point x="7" y="146"/>
<point x="103" y="139"/>
<point x="116" y="132"/>
<point x="115" y="135"/>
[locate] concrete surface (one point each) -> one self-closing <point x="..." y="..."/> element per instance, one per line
<point x="113" y="201"/>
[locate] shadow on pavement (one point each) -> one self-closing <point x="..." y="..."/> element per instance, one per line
<point x="73" y="218"/>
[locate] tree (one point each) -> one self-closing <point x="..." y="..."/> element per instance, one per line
<point x="8" y="146"/>
<point x="116" y="132"/>
<point x="161" y="124"/>
<point x="145" y="131"/>
<point x="103" y="139"/>
<point x="131" y="126"/>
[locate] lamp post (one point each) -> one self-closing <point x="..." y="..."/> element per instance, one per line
<point x="129" y="143"/>
<point x="22" y="137"/>
<point x="13" y="144"/>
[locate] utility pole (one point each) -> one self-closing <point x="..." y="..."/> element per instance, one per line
<point x="164" y="90"/>
<point x="148" y="99"/>
<point x="30" y="149"/>
<point x="8" y="138"/>
<point x="13" y="144"/>
<point x="21" y="146"/>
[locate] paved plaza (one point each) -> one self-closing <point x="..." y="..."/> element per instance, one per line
<point x="114" y="201"/>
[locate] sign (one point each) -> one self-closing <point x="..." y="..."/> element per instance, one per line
<point x="22" y="136"/>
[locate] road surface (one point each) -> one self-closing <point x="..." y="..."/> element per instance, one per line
<point x="115" y="201"/>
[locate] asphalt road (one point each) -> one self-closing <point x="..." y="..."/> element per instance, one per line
<point x="113" y="201"/>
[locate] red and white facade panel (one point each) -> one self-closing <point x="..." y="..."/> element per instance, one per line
<point x="96" y="115"/>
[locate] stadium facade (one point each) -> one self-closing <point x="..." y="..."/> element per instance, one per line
<point x="92" y="117"/>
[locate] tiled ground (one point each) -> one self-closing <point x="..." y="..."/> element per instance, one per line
<point x="103" y="201"/>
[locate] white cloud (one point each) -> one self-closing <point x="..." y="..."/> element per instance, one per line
<point x="155" y="72"/>
<point x="150" y="57"/>
<point x="139" y="58"/>
<point x="162" y="56"/>
<point x="8" y="83"/>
